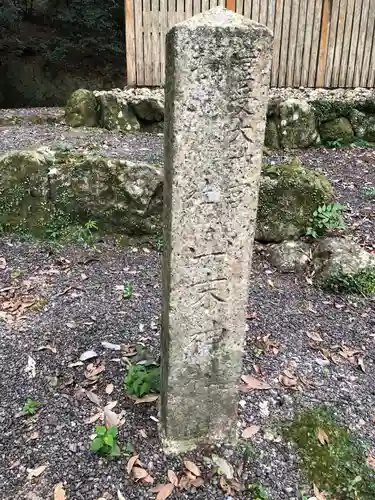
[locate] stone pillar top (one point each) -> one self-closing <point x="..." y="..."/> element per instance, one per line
<point x="221" y="18"/>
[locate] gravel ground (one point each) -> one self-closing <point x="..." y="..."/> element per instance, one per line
<point x="69" y="299"/>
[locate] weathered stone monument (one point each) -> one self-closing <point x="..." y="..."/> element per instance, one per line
<point x="218" y="66"/>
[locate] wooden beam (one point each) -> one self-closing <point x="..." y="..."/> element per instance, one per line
<point x="231" y="4"/>
<point x="323" y="46"/>
<point x="131" y="76"/>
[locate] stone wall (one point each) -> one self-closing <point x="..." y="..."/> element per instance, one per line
<point x="295" y="118"/>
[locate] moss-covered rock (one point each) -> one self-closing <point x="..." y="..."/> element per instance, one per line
<point x="116" y="113"/>
<point x="297" y="124"/>
<point x="363" y="125"/>
<point x="44" y="190"/>
<point x="338" y="129"/>
<point x="81" y="110"/>
<point x="329" y="109"/>
<point x="271" y="139"/>
<point x="147" y="104"/>
<point x="289" y="256"/>
<point x="289" y="194"/>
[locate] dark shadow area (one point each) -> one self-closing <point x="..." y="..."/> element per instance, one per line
<point x="49" y="48"/>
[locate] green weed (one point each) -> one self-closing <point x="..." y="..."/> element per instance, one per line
<point x="325" y="218"/>
<point x="259" y="492"/>
<point x="369" y="193"/>
<point x="360" y="283"/>
<point x="142" y="380"/>
<point x="31" y="406"/>
<point x="128" y="291"/>
<point x="333" y="459"/>
<point x="105" y="442"/>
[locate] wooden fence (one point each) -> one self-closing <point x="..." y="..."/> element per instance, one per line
<point x="318" y="43"/>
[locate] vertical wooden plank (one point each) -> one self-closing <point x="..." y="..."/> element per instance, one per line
<point x="339" y="44"/>
<point x="277" y="42"/>
<point x="196" y="6"/>
<point x="334" y="19"/>
<point x="346" y="42"/>
<point x="316" y="34"/>
<point x="255" y="10"/>
<point x="140" y="62"/>
<point x="221" y="3"/>
<point x="205" y="5"/>
<point x="163" y="33"/>
<point x="361" y="43"/>
<point x="307" y="43"/>
<point x="239" y="6"/>
<point x="323" y="44"/>
<point x="148" y="52"/>
<point x="284" y="51"/>
<point x="271" y="14"/>
<point x="263" y="6"/>
<point x="300" y="44"/>
<point x="180" y="11"/>
<point x="368" y="45"/>
<point x="293" y="27"/>
<point x="155" y="42"/>
<point x="354" y="43"/>
<point x="231" y="4"/>
<point x="247" y="8"/>
<point x="131" y="72"/>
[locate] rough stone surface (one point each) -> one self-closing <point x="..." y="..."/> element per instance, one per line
<point x="289" y="194"/>
<point x="218" y="66"/>
<point x="289" y="256"/>
<point x="363" y="125"/>
<point x="339" y="129"/>
<point x="297" y="126"/>
<point x="37" y="187"/>
<point x="82" y="109"/>
<point x="271" y="139"/>
<point x="333" y="255"/>
<point x="147" y="104"/>
<point x="115" y="112"/>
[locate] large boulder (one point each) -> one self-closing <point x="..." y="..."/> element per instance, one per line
<point x="289" y="194"/>
<point x="82" y="110"/>
<point x="271" y="138"/>
<point x="115" y="112"/>
<point x="148" y="105"/>
<point x="289" y="256"/>
<point x="297" y="124"/>
<point x="363" y="125"/>
<point x="46" y="188"/>
<point x="338" y="129"/>
<point x="334" y="256"/>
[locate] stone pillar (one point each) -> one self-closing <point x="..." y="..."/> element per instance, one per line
<point x="218" y="66"/>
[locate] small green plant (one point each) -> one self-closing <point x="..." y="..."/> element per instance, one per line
<point x="31" y="406"/>
<point x="334" y="144"/>
<point x="85" y="234"/>
<point x="332" y="458"/>
<point x="159" y="243"/>
<point x="369" y="193"/>
<point x="105" y="442"/>
<point x="361" y="283"/>
<point x="259" y="492"/>
<point x="325" y="218"/>
<point x="142" y="380"/>
<point x="128" y="291"/>
<point x="362" y="143"/>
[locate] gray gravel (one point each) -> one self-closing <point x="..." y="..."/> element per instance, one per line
<point x="77" y="305"/>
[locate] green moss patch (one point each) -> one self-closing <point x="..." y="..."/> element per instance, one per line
<point x="332" y="458"/>
<point x="361" y="283"/>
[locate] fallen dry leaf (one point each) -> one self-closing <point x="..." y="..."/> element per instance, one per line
<point x="197" y="482"/>
<point x="150" y="398"/>
<point x="131" y="462"/>
<point x="288" y="380"/>
<point x="361" y="363"/>
<point x="92" y="372"/>
<point x="148" y="479"/>
<point x="371" y="461"/>
<point x="249" y="432"/>
<point x="165" y="492"/>
<point x="36" y="472"/>
<point x="155" y="489"/>
<point x="139" y="473"/>
<point x="225" y="486"/>
<point x="192" y="467"/>
<point x="172" y="476"/>
<point x="109" y="389"/>
<point x="88" y="355"/>
<point x="253" y="383"/>
<point x="59" y="492"/>
<point x="3" y="263"/>
<point x="322" y="437"/>
<point x="120" y="496"/>
<point x="75" y="364"/>
<point x="93" y="397"/>
<point x="314" y="336"/>
<point x="224" y="467"/>
<point x="111" y="418"/>
<point x="319" y="495"/>
<point x="48" y="348"/>
<point x="113" y="347"/>
<point x="94" y="418"/>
